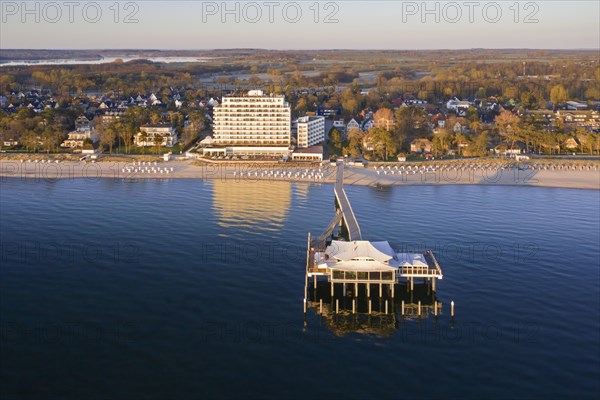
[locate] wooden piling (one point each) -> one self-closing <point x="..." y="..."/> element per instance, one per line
<point x="320" y="306"/>
<point x="353" y="306"/>
<point x="402" y="309"/>
<point x="369" y="306"/>
<point x="337" y="306"/>
<point x="306" y="272"/>
<point x="419" y="308"/>
<point x="435" y="308"/>
<point x="386" y="306"/>
<point x="452" y="308"/>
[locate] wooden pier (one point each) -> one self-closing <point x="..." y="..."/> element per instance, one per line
<point x="360" y="269"/>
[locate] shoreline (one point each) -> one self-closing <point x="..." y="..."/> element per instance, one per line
<point x="496" y="175"/>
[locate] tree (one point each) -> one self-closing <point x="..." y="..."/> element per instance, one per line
<point x="382" y="142"/>
<point x="441" y="140"/>
<point x="506" y="123"/>
<point x="558" y="95"/>
<point x="107" y="136"/>
<point x="124" y="132"/>
<point x="49" y="139"/>
<point x="355" y="133"/>
<point x="411" y="121"/>
<point x="336" y="140"/>
<point x="30" y="140"/>
<point x="351" y="101"/>
<point x="472" y="114"/>
<point x="354" y="146"/>
<point x="301" y="106"/>
<point x="461" y="142"/>
<point x="479" y="146"/>
<point x="158" y="140"/>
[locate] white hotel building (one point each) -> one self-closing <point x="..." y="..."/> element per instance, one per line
<point x="251" y="125"/>
<point x="311" y="131"/>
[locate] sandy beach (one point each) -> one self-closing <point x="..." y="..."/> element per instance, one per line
<point x="576" y="175"/>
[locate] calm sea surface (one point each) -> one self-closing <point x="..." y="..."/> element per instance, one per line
<point x="191" y="289"/>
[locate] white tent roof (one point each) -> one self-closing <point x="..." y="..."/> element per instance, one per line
<point x="373" y="266"/>
<point x="361" y="249"/>
<point x="412" y="259"/>
<point x="362" y="255"/>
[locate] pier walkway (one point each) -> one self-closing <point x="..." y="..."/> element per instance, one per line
<point x="349" y="219"/>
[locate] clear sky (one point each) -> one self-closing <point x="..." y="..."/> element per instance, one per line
<point x="148" y="24"/>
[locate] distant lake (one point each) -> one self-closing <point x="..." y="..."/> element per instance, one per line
<point x="103" y="60"/>
<point x="193" y="289"/>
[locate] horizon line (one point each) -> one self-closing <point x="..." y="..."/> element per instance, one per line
<point x="306" y="49"/>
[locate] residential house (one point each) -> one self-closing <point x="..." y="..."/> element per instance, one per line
<point x="439" y="120"/>
<point x="575" y="105"/>
<point x="367" y="124"/>
<point x="422" y="145"/>
<point x="149" y="133"/>
<point x="384" y="123"/>
<point x="589" y="119"/>
<point x="352" y="124"/>
<point x="10" y="142"/>
<point x="572" y="143"/>
<point x="76" y="138"/>
<point x="82" y="122"/>
<point x="461" y="126"/>
<point x="509" y="150"/>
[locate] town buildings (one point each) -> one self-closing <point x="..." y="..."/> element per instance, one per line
<point x="311" y="131"/>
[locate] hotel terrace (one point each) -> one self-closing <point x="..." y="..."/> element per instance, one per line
<point x="251" y="125"/>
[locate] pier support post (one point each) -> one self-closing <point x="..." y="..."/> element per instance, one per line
<point x="369" y="305"/>
<point x="386" y="306"/>
<point x="435" y="308"/>
<point x="344" y="289"/>
<point x="433" y="284"/>
<point x="353" y="306"/>
<point x="419" y="308"/>
<point x="305" y="305"/>
<point x="392" y="287"/>
<point x="452" y="309"/>
<point x="368" y="290"/>
<point x="356" y="290"/>
<point x="321" y="306"/>
<point x="412" y="284"/>
<point x="337" y="306"/>
<point x="315" y="280"/>
<point x="380" y="290"/>
<point x="402" y="309"/>
<point x="331" y="288"/>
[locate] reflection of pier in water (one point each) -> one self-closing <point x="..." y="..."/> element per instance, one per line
<point x="355" y="269"/>
<point x="379" y="316"/>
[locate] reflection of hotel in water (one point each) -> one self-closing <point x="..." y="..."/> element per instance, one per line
<point x="254" y="204"/>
